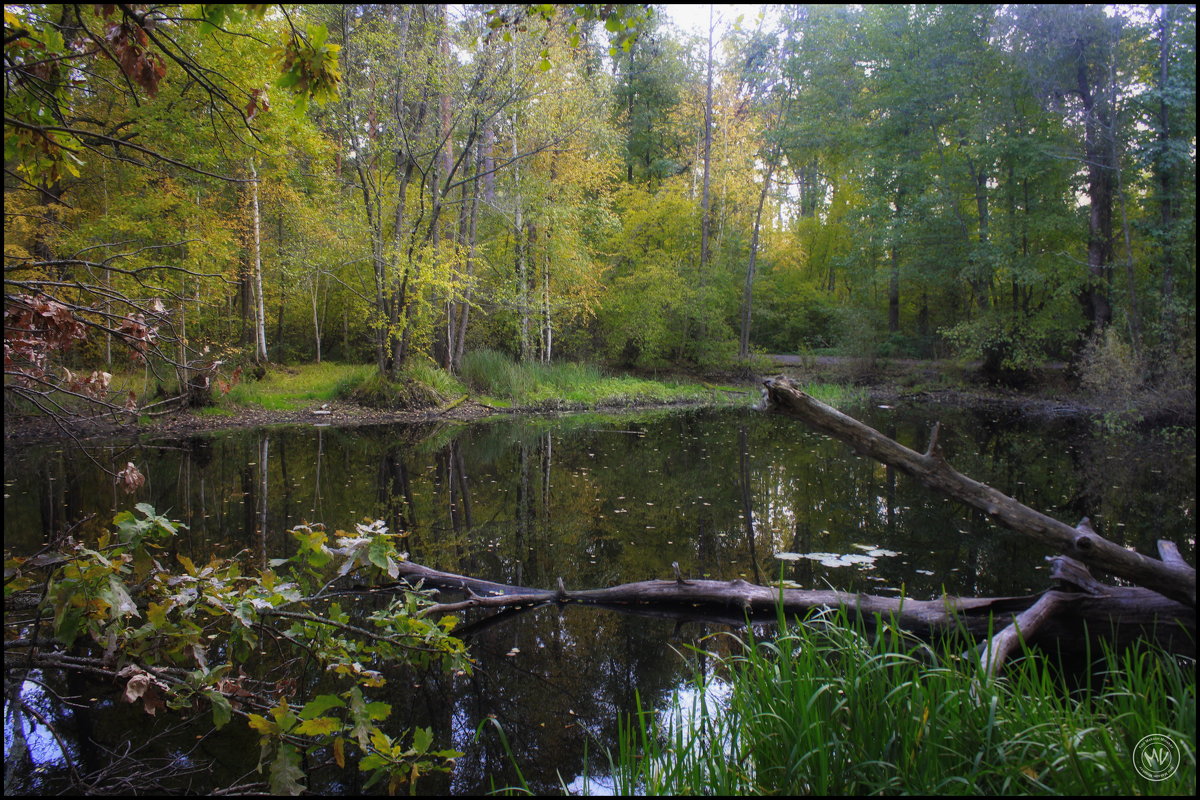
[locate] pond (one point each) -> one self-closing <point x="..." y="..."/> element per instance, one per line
<point x="596" y="500"/>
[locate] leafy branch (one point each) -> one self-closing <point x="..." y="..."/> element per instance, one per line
<point x="111" y="609"/>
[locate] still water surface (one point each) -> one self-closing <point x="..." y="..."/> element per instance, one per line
<point x="600" y="500"/>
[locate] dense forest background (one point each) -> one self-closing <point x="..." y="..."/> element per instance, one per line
<point x="387" y="183"/>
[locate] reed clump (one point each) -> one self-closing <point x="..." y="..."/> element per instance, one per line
<point x="831" y="708"/>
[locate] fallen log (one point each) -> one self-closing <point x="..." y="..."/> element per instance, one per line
<point x="1169" y="575"/>
<point x="1085" y="610"/>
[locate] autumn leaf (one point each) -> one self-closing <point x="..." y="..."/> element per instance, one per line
<point x="318" y="726"/>
<point x="130" y="479"/>
<point x="144" y="685"/>
<point x="261" y="724"/>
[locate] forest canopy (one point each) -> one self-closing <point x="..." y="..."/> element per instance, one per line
<point x="204" y="186"/>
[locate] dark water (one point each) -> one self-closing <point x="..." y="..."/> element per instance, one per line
<point x="600" y="500"/>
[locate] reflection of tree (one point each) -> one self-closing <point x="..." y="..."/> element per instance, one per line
<point x="574" y="678"/>
<point x="747" y="507"/>
<point x="395" y="497"/>
<point x="261" y="531"/>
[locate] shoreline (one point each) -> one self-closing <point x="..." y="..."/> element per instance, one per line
<point x="28" y="430"/>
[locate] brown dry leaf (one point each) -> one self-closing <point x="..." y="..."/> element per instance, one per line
<point x="144" y="685"/>
<point x="130" y="479"/>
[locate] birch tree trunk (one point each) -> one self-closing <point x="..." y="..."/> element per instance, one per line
<point x="260" y="315"/>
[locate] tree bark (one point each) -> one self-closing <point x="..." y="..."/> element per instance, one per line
<point x="705" y="212"/>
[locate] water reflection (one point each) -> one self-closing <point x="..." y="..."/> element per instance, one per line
<point x="598" y="501"/>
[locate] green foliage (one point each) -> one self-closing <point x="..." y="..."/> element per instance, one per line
<point x="404" y="394"/>
<point x="308" y="65"/>
<point x="43" y="99"/>
<point x="161" y="627"/>
<point x="650" y="298"/>
<point x="792" y="315"/>
<point x="624" y="21"/>
<point x="1009" y="349"/>
<point x="837" y="708"/>
<point x="928" y="198"/>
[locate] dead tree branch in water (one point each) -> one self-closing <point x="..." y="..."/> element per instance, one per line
<point x="1169" y="575"/>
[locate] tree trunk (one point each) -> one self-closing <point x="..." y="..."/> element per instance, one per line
<point x="705" y="210"/>
<point x="1164" y="169"/>
<point x="894" y="267"/>
<point x="752" y="267"/>
<point x="1084" y="610"/>
<point x="316" y="289"/>
<point x="260" y="314"/>
<point x="464" y="315"/>
<point x="1099" y="156"/>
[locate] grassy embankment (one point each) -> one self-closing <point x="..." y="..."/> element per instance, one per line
<point x="833" y="709"/>
<point x="487" y="377"/>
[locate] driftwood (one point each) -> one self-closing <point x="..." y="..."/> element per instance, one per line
<point x="1078" y="611"/>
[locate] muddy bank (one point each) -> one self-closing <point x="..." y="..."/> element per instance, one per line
<point x="20" y="429"/>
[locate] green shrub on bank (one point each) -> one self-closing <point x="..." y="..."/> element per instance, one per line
<point x="489" y="375"/>
<point x="831" y="709"/>
<point x="419" y="387"/>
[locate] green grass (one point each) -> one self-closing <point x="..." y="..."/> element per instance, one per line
<point x="834" y="709"/>
<point x="566" y="385"/>
<point x="495" y="379"/>
<point x="295" y="388"/>
<point x="418" y="387"/>
<point x="836" y="394"/>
